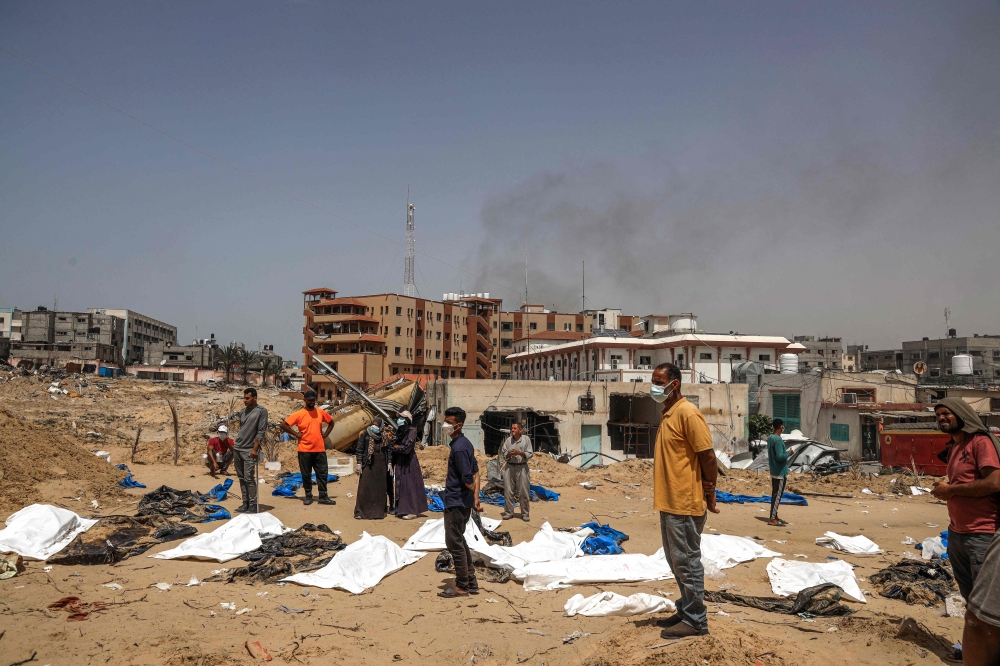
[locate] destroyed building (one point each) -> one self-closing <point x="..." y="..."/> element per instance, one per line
<point x="56" y="339"/>
<point x="140" y="332"/>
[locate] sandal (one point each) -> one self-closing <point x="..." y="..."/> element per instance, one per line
<point x="452" y="593"/>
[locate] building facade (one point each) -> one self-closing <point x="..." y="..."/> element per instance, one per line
<point x="937" y="354"/>
<point x="57" y="338"/>
<point x="10" y="323"/>
<point x="140" y="332"/>
<point x="827" y="353"/>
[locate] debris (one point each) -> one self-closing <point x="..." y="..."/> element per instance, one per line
<point x="46" y="569"/>
<point x="243" y="611"/>
<point x="163" y="587"/>
<point x="11" y="564"/>
<point x="589" y="485"/>
<point x="117" y="538"/>
<point x="308" y="548"/>
<point x="289" y="611"/>
<point x="575" y="635"/>
<point x="915" y="582"/>
<point x="112" y="586"/>
<point x="858" y="545"/>
<point x="916" y="490"/>
<point x="535" y="632"/>
<point x="867" y="492"/>
<point x="611" y="604"/>
<point x="908" y="541"/>
<point x="193" y="582"/>
<point x="492" y="601"/>
<point x="78" y="609"/>
<point x="256" y="650"/>
<point x="954" y="606"/>
<point x="227" y="605"/>
<point x="817" y="600"/>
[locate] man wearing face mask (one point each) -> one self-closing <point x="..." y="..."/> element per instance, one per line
<point x="461" y="498"/>
<point x="684" y="476"/>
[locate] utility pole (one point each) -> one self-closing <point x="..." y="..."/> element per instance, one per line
<point x="409" y="283"/>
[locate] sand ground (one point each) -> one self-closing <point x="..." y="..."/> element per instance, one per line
<point x="402" y="619"/>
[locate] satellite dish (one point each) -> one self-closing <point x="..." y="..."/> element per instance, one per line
<point x="919" y="367"/>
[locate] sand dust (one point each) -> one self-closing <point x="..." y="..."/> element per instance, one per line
<point x="402" y="619"/>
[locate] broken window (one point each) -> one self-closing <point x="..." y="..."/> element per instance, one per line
<point x="705" y="356"/>
<point x="397" y="351"/>
<point x="533" y="326"/>
<point x="763" y="357"/>
<point x="506" y="326"/>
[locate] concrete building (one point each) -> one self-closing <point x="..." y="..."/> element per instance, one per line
<point x="938" y="355"/>
<point x="616" y="419"/>
<point x="10" y="323"/>
<point x="140" y="332"/>
<point x="612" y="355"/>
<point x="57" y="338"/>
<point x="840" y="408"/>
<point x="532" y="321"/>
<point x="881" y="359"/>
<point x="368" y="339"/>
<point x="201" y="354"/>
<point x="827" y="353"/>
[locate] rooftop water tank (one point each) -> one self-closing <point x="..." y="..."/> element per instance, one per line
<point x="788" y="364"/>
<point x="961" y="364"/>
<point x="682" y="322"/>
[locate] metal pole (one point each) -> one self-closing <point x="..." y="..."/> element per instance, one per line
<point x="390" y="422"/>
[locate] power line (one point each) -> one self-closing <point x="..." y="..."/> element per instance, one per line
<point x="242" y="171"/>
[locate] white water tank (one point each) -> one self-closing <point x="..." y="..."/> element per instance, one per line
<point x="788" y="364"/>
<point x="682" y="322"/>
<point x="961" y="364"/>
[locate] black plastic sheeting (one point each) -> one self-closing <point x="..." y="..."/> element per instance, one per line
<point x="817" y="600"/>
<point x="117" y="538"/>
<point x="188" y="505"/>
<point x="915" y="582"/>
<point x="495" y="538"/>
<point x="308" y="548"/>
<point x="445" y="564"/>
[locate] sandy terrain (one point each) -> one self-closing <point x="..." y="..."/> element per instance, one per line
<point x="402" y="619"/>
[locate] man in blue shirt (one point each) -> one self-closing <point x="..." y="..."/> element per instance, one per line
<point x="461" y="497"/>
<point x="777" y="461"/>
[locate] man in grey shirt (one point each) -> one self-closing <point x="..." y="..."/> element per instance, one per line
<point x="253" y="426"/>
<point x="516" y="451"/>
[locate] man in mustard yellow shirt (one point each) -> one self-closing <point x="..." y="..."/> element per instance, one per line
<point x="684" y="475"/>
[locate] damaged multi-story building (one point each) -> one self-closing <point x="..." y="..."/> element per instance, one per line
<point x="81" y="339"/>
<point x="140" y="332"/>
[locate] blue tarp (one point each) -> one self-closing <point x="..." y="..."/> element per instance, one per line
<point x="606" y="540"/>
<point x="216" y="512"/>
<point x="539" y="493"/>
<point x="128" y="481"/>
<point x="786" y="498"/>
<point x="434" y="501"/>
<point x="219" y="492"/>
<point x="290" y="482"/>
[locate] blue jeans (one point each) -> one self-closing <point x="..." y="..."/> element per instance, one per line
<point x="681" y="537"/>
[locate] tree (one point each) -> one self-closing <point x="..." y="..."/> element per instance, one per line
<point x="759" y="426"/>
<point x="270" y="366"/>
<point x="244" y="359"/>
<point x="227" y="358"/>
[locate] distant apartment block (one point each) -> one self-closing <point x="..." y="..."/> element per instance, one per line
<point x="827" y="353"/>
<point x="937" y="354"/>
<point x="57" y="338"/>
<point x="140" y="332"/>
<point x="10" y="323"/>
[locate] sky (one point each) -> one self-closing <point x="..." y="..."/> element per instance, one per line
<point x="778" y="168"/>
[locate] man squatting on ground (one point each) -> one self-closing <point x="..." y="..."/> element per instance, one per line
<point x="517" y="451"/>
<point x="253" y="426"/>
<point x="777" y="461"/>
<point x="684" y="476"/>
<point x="311" y="448"/>
<point x="220" y="453"/>
<point x="461" y="498"/>
<point x="971" y="488"/>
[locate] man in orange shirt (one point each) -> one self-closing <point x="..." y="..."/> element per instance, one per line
<point x="312" y="451"/>
<point x="684" y="476"/>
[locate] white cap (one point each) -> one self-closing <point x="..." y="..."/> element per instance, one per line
<point x="223" y="428"/>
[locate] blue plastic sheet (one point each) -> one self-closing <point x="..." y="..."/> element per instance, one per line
<point x="606" y="540"/>
<point x="128" y="481"/>
<point x="290" y="482"/>
<point x="219" y="492"/>
<point x="434" y="501"/>
<point x="786" y="498"/>
<point x="216" y="512"/>
<point x="540" y="493"/>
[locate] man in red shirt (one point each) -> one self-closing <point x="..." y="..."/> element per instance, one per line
<point x="312" y="450"/>
<point x="971" y="489"/>
<point x="220" y="453"/>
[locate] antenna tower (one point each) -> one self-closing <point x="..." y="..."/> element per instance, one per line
<point x="947" y="321"/>
<point x="409" y="284"/>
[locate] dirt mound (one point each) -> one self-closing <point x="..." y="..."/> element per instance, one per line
<point x="630" y="647"/>
<point x="434" y="463"/>
<point x="31" y="455"/>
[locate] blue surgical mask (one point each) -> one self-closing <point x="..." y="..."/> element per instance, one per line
<point x="660" y="393"/>
<point x="374" y="431"/>
<point x="400" y="422"/>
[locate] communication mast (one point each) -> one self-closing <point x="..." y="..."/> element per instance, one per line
<point x="947" y="320"/>
<point x="409" y="283"/>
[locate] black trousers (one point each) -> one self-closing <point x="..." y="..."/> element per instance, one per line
<point x="310" y="462"/>
<point x="455" y="520"/>
<point x="777" y="490"/>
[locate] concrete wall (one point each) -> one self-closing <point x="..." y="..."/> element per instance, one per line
<point x="724" y="406"/>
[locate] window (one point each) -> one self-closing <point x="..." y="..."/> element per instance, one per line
<point x="933" y="355"/>
<point x="397" y="351"/>
<point x="399" y="311"/>
<point x="503" y="375"/>
<point x="437" y="354"/>
<point x="579" y="328"/>
<point x="915" y="356"/>
<point x="420" y="315"/>
<point x="439" y="316"/>
<point x="645" y="360"/>
<point x="463" y="356"/>
<point x="736" y="357"/>
<point x="420" y="333"/>
<point x="786" y="406"/>
<point x="705" y="356"/>
<point x="505" y="343"/>
<point x="996" y="354"/>
<point x="420" y="352"/>
<point x="763" y="357"/>
<point x="506" y="326"/>
<point x="494" y="324"/>
<point x="551" y="326"/>
<point x="935" y="373"/>
<point x="398" y="330"/>
<point x="887" y="357"/>
<point x="533" y="326"/>
<point x="465" y="338"/>
<point x="840" y="432"/>
<point x="447" y="356"/>
<point x="438" y="337"/>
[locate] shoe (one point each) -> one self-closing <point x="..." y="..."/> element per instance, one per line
<point x="307" y="500"/>
<point x="683" y="630"/>
<point x="327" y="501"/>
<point x="408" y="516"/>
<point x="470" y="590"/>
<point x="242" y="509"/>
<point x="525" y="519"/>
<point x="506" y="516"/>
<point x="668" y="621"/>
